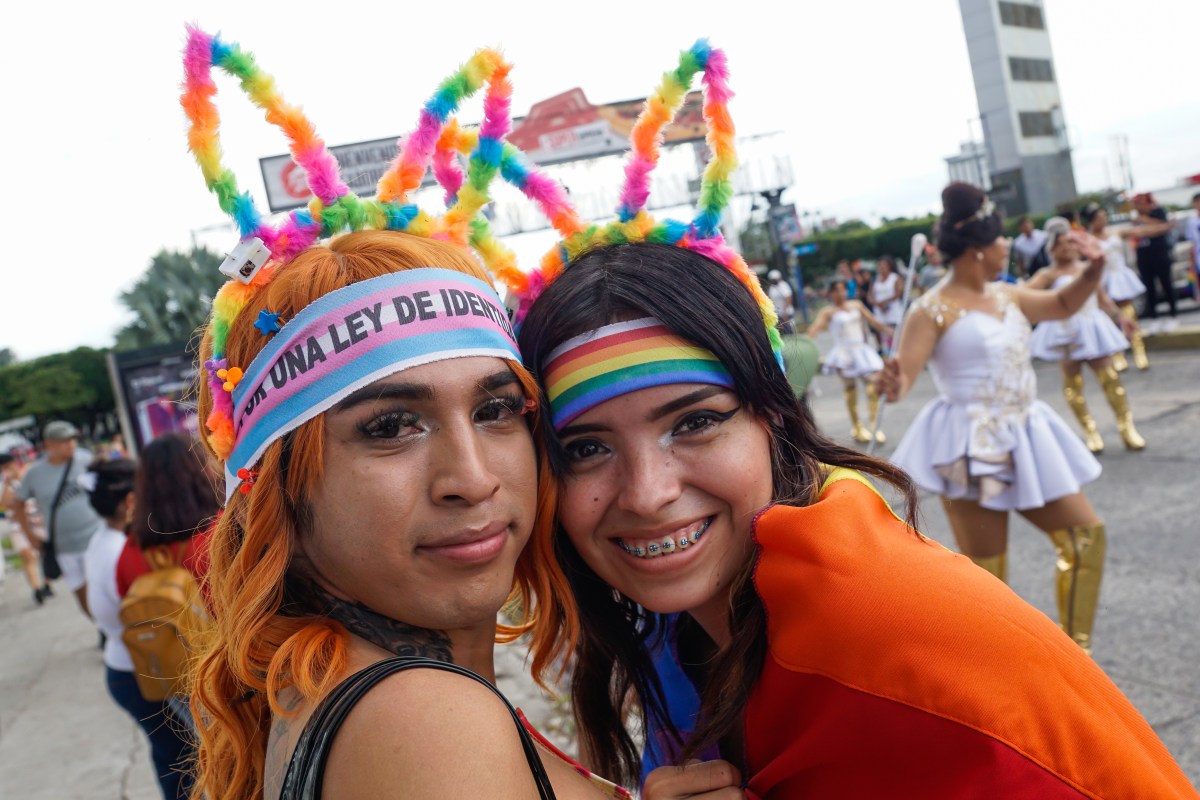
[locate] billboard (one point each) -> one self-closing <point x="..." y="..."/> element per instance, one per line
<point x="566" y="127"/>
<point x="155" y="390"/>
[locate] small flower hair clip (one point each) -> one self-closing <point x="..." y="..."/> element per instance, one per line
<point x="267" y="322"/>
<point x="232" y="377"/>
<point x="247" y="478"/>
<point x="986" y="210"/>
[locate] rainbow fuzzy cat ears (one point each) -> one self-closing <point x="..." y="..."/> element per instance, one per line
<point x="634" y="223"/>
<point x="334" y="208"/>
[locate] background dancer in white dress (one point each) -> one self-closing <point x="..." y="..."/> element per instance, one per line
<point x="986" y="444"/>
<point x="886" y="292"/>
<point x="852" y="358"/>
<point x="1088" y="336"/>
<point x="1120" y="281"/>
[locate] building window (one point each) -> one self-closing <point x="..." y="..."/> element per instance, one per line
<point x="1031" y="69"/>
<point x="1037" y="123"/>
<point x="1022" y="15"/>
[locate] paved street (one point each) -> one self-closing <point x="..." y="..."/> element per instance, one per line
<point x="62" y="737"/>
<point x="1147" y="635"/>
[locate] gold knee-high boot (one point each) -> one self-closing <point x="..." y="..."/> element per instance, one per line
<point x="857" y="430"/>
<point x="1115" y="393"/>
<point x="1136" y="343"/>
<point x="1119" y="363"/>
<point x="873" y="411"/>
<point x="1073" y="391"/>
<point x="997" y="565"/>
<point x="1079" y="568"/>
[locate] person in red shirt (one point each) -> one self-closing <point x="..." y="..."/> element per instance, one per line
<point x="176" y="507"/>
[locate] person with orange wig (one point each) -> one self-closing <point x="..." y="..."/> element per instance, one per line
<point x="365" y="396"/>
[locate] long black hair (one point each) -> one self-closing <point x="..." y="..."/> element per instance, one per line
<point x="114" y="480"/>
<point x="176" y="496"/>
<point x="701" y="301"/>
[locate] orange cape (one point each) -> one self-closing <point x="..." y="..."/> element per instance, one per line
<point x="898" y="669"/>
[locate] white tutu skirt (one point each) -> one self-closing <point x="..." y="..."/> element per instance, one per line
<point x="1122" y="284"/>
<point x="854" y="361"/>
<point x="1013" y="461"/>
<point x="1087" y="335"/>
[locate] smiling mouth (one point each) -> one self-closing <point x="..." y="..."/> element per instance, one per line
<point x="677" y="542"/>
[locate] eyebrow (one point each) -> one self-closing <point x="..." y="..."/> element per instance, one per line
<point x="688" y="399"/>
<point x="416" y="391"/>
<point x="505" y="377"/>
<point x="387" y="391"/>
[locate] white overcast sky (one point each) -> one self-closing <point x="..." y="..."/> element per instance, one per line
<point x="871" y="94"/>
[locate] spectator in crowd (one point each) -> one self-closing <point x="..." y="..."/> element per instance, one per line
<point x="112" y="497"/>
<point x="1192" y="233"/>
<point x="843" y="273"/>
<point x="864" y="278"/>
<point x="1030" y="247"/>
<point x="53" y="481"/>
<point x="1153" y="229"/>
<point x="176" y="507"/>
<point x="933" y="271"/>
<point x="26" y="548"/>
<point x="781" y="295"/>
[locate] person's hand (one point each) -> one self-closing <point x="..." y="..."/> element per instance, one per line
<point x="1095" y="267"/>
<point x="888" y="383"/>
<point x="1128" y="327"/>
<point x="695" y="780"/>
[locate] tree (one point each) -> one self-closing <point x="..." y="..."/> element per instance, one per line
<point x="73" y="386"/>
<point x="7" y="356"/>
<point x="171" y="300"/>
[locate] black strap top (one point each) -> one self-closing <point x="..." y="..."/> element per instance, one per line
<point x="306" y="770"/>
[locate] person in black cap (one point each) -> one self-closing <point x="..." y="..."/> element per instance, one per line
<point x="53" y="481"/>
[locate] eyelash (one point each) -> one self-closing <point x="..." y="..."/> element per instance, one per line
<point x="711" y="419"/>
<point x="389" y="424"/>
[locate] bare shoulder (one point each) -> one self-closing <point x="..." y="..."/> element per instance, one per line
<point x="434" y="733"/>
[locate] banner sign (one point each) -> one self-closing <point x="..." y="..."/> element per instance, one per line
<point x="563" y="128"/>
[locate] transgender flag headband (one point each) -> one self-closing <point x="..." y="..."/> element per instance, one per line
<point x="358" y="334"/>
<point x="634" y="223"/>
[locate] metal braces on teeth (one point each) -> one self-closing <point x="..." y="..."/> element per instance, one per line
<point x="666" y="547"/>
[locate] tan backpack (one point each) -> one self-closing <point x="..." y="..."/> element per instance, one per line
<point x="165" y="622"/>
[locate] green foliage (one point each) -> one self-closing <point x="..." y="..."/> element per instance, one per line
<point x="860" y="242"/>
<point x="171" y="300"/>
<point x="756" y="243"/>
<point x="72" y="386"/>
<point x="7" y="356"/>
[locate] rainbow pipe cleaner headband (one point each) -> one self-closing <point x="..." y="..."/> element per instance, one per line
<point x="264" y="249"/>
<point x="634" y="223"/>
<point x="587" y="370"/>
<point x="351" y="338"/>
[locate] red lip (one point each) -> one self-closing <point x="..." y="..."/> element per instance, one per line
<point x="470" y="545"/>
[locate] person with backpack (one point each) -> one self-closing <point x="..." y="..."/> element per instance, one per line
<point x="112" y="496"/>
<point x="163" y="563"/>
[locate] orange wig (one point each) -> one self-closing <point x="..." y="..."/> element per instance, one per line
<point x="256" y="650"/>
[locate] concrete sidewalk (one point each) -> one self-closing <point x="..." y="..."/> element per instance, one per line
<point x="63" y="738"/>
<point x="61" y="735"/>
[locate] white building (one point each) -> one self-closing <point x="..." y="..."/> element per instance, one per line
<point x="1020" y="110"/>
<point x="970" y="165"/>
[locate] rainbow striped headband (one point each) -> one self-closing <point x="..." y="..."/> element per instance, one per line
<point x="634" y="224"/>
<point x="594" y="367"/>
<point x="351" y="338"/>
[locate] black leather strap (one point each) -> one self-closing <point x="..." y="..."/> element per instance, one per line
<point x="306" y="770"/>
